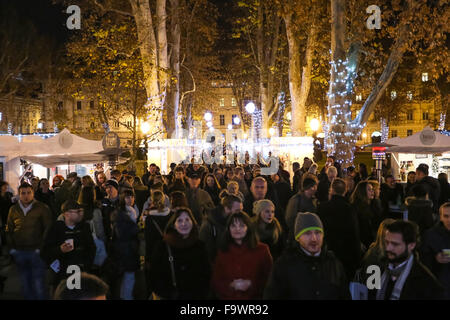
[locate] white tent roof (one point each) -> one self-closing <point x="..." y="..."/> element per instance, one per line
<point x="427" y="141"/>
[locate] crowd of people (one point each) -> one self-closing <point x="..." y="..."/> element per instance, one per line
<point x="228" y="232"/>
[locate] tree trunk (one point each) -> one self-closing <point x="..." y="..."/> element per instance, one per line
<point x="148" y="48"/>
<point x="175" y="66"/>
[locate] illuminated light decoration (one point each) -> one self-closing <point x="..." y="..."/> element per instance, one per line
<point x="272" y="131"/>
<point x="341" y="131"/>
<point x="409" y="95"/>
<point x="209" y="124"/>
<point x="359" y="97"/>
<point x="289" y="116"/>
<point x="208" y="116"/>
<point x="424" y="76"/>
<point x="442" y="121"/>
<point x="236" y="120"/>
<point x="364" y="135"/>
<point x="393" y="94"/>
<point x="384" y="130"/>
<point x="230" y="127"/>
<point x="250" y="107"/>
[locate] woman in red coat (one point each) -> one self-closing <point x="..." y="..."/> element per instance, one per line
<point x="243" y="264"/>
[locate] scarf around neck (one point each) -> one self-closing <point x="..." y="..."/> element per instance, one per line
<point x="401" y="273"/>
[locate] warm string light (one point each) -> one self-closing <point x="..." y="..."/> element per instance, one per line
<point x="442" y="121"/>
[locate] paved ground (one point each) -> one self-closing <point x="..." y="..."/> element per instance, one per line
<point x="13" y="288"/>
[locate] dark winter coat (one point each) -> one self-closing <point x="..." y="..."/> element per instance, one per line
<point x="108" y="207"/>
<point x="212" y="230"/>
<point x="434" y="241"/>
<point x="192" y="268"/>
<point x="341" y="231"/>
<point x="199" y="203"/>
<point x="49" y="199"/>
<point x="445" y="191"/>
<point x="214" y="194"/>
<point x="125" y="242"/>
<point x="421" y="212"/>
<point x="367" y="221"/>
<point x="62" y="194"/>
<point x="152" y="234"/>
<point x="84" y="246"/>
<point x="391" y="196"/>
<point x="420" y="284"/>
<point x="297" y="276"/>
<point x="323" y="190"/>
<point x="5" y="204"/>
<point x="284" y="192"/>
<point x="272" y="235"/>
<point x="298" y="203"/>
<point x="433" y="189"/>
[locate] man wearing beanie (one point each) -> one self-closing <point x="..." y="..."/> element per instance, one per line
<point x="307" y="270"/>
<point x="303" y="201"/>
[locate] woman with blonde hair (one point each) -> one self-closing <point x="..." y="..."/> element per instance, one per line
<point x="233" y="188"/>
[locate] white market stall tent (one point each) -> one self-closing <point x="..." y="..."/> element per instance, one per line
<point x="62" y="149"/>
<point x="426" y="146"/>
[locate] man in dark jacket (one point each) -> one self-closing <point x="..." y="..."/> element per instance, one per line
<point x="431" y="185"/>
<point x="69" y="242"/>
<point x="307" y="270"/>
<point x="435" y="249"/>
<point x="199" y="200"/>
<point x="28" y="222"/>
<point x="405" y="277"/>
<point x="303" y="201"/>
<point x="147" y="178"/>
<point x="420" y="209"/>
<point x="391" y="196"/>
<point x="213" y="227"/>
<point x="341" y="228"/>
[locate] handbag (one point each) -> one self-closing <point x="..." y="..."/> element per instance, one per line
<point x="175" y="293"/>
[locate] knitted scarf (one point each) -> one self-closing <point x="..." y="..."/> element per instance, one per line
<point x="401" y="273"/>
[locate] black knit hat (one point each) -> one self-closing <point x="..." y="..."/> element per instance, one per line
<point x="308" y="183"/>
<point x="112" y="183"/>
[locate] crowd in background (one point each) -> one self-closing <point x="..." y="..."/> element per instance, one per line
<point x="228" y="232"/>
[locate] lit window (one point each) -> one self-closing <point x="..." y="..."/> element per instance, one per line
<point x="222" y="102"/>
<point x="359" y="97"/>
<point x="222" y="119"/>
<point x="409" y="133"/>
<point x="425" y="77"/>
<point x="92" y="125"/>
<point x="78" y="105"/>
<point x="393" y="133"/>
<point x="409" y="95"/>
<point x="393" y="94"/>
<point x="60" y="106"/>
<point x="116" y="124"/>
<point x="233" y="102"/>
<point x="129" y="123"/>
<point x="0" y="116"/>
<point x="91" y="104"/>
<point x="425" y="116"/>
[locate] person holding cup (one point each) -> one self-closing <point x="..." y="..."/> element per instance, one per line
<point x="69" y="242"/>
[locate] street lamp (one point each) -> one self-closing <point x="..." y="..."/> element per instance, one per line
<point x="236" y="120"/>
<point x="272" y="131"/>
<point x="208" y="116"/>
<point x="209" y="124"/>
<point x="314" y="124"/>
<point x="250" y="107"/>
<point x="145" y="127"/>
<point x="230" y="127"/>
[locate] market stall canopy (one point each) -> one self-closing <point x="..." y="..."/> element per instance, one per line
<point x="51" y="161"/>
<point x="425" y="142"/>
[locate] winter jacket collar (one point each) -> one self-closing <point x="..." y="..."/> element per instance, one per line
<point x="174" y="239"/>
<point x="163" y="213"/>
<point x="25" y="210"/>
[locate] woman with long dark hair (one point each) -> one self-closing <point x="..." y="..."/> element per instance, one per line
<point x="211" y="185"/>
<point x="243" y="263"/>
<point x="125" y="243"/>
<point x="180" y="269"/>
<point x="361" y="200"/>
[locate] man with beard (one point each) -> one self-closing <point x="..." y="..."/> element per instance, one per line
<point x="405" y="277"/>
<point x="307" y="270"/>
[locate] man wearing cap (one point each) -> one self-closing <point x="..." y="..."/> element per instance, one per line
<point x="199" y="200"/>
<point x="307" y="270"/>
<point x="109" y="204"/>
<point x="303" y="201"/>
<point x="28" y="220"/>
<point x="69" y="242"/>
